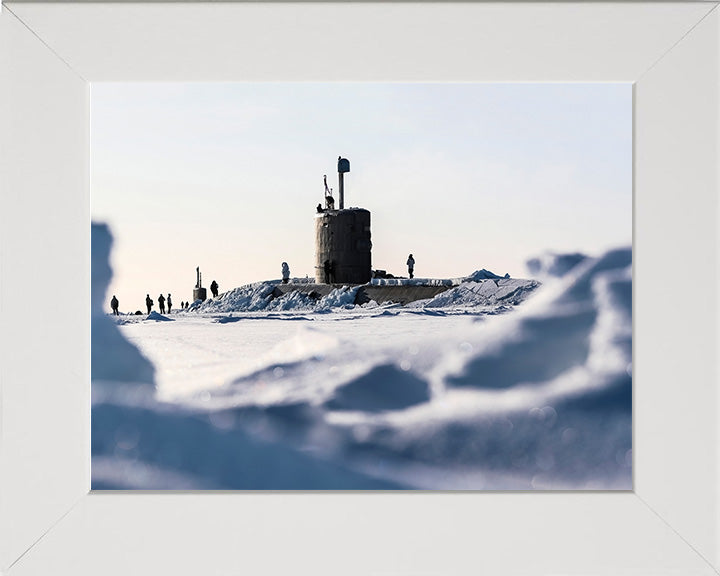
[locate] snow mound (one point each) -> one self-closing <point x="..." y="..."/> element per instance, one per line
<point x="553" y="265"/>
<point x="258" y="297"/>
<point x="385" y="387"/>
<point x="483" y="275"/>
<point x="152" y="447"/>
<point x="480" y="293"/>
<point x="113" y="358"/>
<point x="158" y="317"/>
<point x="248" y="298"/>
<point x="291" y="301"/>
<point x="339" y="297"/>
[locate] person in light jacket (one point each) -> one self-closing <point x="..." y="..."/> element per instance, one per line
<point x="411" y="265"/>
<point x="285" y="272"/>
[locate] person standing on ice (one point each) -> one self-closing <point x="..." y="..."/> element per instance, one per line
<point x="161" y="302"/>
<point x="169" y="302"/>
<point x="329" y="270"/>
<point x="411" y="265"/>
<point x="114" y="303"/>
<point x="149" y="303"/>
<point x="285" y="272"/>
<point x="214" y="288"/>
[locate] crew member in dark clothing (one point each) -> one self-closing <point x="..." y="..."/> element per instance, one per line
<point x="149" y="303"/>
<point x="161" y="301"/>
<point x="411" y="265"/>
<point x="329" y="270"/>
<point x="169" y="303"/>
<point x="114" y="303"/>
<point x="214" y="288"/>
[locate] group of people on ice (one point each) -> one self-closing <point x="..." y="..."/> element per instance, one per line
<point x="214" y="288"/>
<point x="161" y="302"/>
<point x="149" y="303"/>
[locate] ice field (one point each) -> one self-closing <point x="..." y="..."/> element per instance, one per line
<point x="462" y="392"/>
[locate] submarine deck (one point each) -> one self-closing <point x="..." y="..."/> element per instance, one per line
<point x="399" y="294"/>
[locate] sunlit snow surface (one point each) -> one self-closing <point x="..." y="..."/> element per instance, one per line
<point x="442" y="394"/>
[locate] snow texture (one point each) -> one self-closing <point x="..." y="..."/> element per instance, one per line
<point x="483" y="275"/>
<point x="112" y="356"/>
<point x="158" y="317"/>
<point x="370" y="392"/>
<point x="373" y="397"/>
<point x="258" y="297"/>
<point x="508" y="291"/>
<point x="551" y="264"/>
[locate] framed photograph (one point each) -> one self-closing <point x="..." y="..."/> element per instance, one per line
<point x="56" y="58"/>
<point x="394" y="325"/>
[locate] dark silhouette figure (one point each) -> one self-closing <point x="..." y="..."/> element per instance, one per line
<point x="182" y="305"/>
<point x="149" y="303"/>
<point x="319" y="208"/>
<point x="411" y="265"/>
<point x="161" y="302"/>
<point x="169" y="303"/>
<point x="114" y="303"/>
<point x="214" y="288"/>
<point x="329" y="270"/>
<point x="285" y="272"/>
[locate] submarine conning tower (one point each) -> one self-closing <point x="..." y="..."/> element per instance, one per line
<point x="199" y="293"/>
<point x="342" y="238"/>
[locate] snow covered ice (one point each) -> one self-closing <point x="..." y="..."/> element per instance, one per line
<point x="496" y="383"/>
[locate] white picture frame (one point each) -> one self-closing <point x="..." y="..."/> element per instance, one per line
<point x="52" y="53"/>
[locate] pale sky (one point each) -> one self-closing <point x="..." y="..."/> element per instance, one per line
<point x="464" y="176"/>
